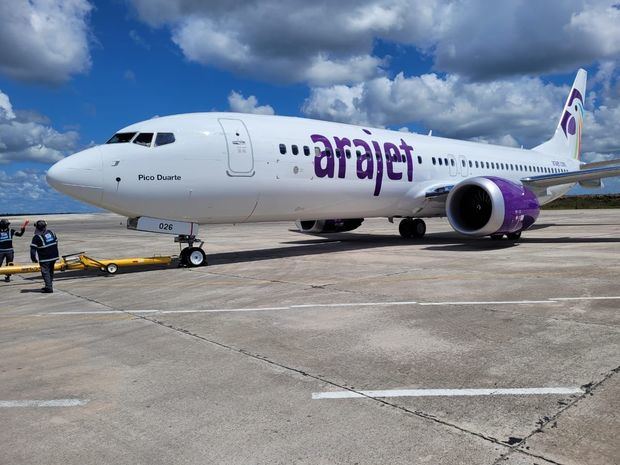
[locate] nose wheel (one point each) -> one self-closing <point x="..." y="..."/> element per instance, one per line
<point x="191" y="256"/>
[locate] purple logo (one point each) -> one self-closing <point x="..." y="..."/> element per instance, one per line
<point x="374" y="157"/>
<point x="568" y="124"/>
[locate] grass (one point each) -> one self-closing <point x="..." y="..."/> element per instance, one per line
<point x="579" y="202"/>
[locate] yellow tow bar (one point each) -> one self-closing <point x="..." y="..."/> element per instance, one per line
<point x="81" y="261"/>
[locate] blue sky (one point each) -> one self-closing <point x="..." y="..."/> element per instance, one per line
<point x="73" y="72"/>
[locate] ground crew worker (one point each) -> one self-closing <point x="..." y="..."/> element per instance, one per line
<point x="6" y="243"/>
<point x="45" y="246"/>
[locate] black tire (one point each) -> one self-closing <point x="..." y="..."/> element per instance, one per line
<point x="497" y="237"/>
<point x="111" y="268"/>
<point x="412" y="229"/>
<point x="515" y="236"/>
<point x="183" y="257"/>
<point x="195" y="257"/>
<point x="419" y="228"/>
<point x="405" y="228"/>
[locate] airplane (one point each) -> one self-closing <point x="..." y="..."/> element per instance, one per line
<point x="171" y="174"/>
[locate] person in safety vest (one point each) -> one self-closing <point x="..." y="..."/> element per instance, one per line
<point x="6" y="243"/>
<point x="44" y="246"/>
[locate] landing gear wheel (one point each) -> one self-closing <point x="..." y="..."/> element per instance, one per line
<point x="194" y="256"/>
<point x="515" y="236"/>
<point x="183" y="257"/>
<point x="111" y="268"/>
<point x="412" y="229"/>
<point x="497" y="237"/>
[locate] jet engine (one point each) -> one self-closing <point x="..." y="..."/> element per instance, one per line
<point x="328" y="226"/>
<point x="487" y="206"/>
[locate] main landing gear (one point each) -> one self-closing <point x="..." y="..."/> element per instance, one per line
<point x="515" y="236"/>
<point x="410" y="228"/>
<point x="191" y="256"/>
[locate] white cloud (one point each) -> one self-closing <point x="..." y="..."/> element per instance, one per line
<point x="486" y="40"/>
<point x="326" y="43"/>
<point x="240" y="104"/>
<point x="44" y="40"/>
<point x="27" y="191"/>
<point x="506" y="111"/>
<point x="27" y="136"/>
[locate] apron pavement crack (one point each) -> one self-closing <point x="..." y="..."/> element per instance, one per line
<point x="417" y="413"/>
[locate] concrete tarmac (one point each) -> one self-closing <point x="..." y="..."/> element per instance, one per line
<point x="226" y="364"/>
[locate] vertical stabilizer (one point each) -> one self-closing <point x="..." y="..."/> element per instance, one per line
<point x="566" y="142"/>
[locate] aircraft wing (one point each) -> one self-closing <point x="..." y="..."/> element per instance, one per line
<point x="571" y="177"/>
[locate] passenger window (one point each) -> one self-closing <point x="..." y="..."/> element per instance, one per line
<point x="488" y="165"/>
<point x="452" y="161"/>
<point x="358" y="153"/>
<point x="328" y="152"/>
<point x="440" y="162"/>
<point x="434" y="161"/>
<point x="470" y="164"/>
<point x="283" y="149"/>
<point x="348" y="152"/>
<point x="144" y="138"/>
<point x="476" y="164"/>
<point x="419" y="160"/>
<point x="338" y="153"/>
<point x="164" y="138"/>
<point x="306" y="150"/>
<point x="121" y="137"/>
<point x="445" y="160"/>
<point x="317" y="151"/>
<point x="295" y="150"/>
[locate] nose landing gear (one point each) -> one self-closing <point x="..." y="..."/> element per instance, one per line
<point x="191" y="256"/>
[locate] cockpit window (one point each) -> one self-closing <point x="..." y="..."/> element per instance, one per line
<point x="121" y="137"/>
<point x="164" y="138"/>
<point x="144" y="138"/>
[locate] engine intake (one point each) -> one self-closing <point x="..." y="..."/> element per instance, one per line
<point x="483" y="206"/>
<point x="328" y="226"/>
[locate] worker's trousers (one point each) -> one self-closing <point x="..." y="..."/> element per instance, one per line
<point x="47" y="271"/>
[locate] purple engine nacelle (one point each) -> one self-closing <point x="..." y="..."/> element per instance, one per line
<point x="485" y="206"/>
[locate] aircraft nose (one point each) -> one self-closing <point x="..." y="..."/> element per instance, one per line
<point x="79" y="175"/>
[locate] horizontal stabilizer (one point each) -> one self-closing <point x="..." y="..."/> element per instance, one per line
<point x="600" y="164"/>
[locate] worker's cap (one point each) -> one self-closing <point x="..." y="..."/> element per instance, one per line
<point x="4" y="223"/>
<point x="40" y="225"/>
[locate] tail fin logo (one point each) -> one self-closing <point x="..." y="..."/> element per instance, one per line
<point x="572" y="121"/>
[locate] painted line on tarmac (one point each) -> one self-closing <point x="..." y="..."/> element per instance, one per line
<point x="497" y="302"/>
<point x="330" y="305"/>
<point x="448" y="392"/>
<point x="43" y="403"/>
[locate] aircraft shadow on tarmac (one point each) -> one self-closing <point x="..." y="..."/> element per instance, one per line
<point x="343" y="242"/>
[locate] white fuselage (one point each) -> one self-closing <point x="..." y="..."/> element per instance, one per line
<point x="228" y="168"/>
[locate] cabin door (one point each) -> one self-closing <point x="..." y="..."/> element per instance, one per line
<point x="239" y="145"/>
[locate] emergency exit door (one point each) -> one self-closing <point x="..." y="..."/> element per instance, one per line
<point x="239" y="145"/>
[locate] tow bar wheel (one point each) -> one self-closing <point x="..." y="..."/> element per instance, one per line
<point x="195" y="256"/>
<point x="111" y="268"/>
